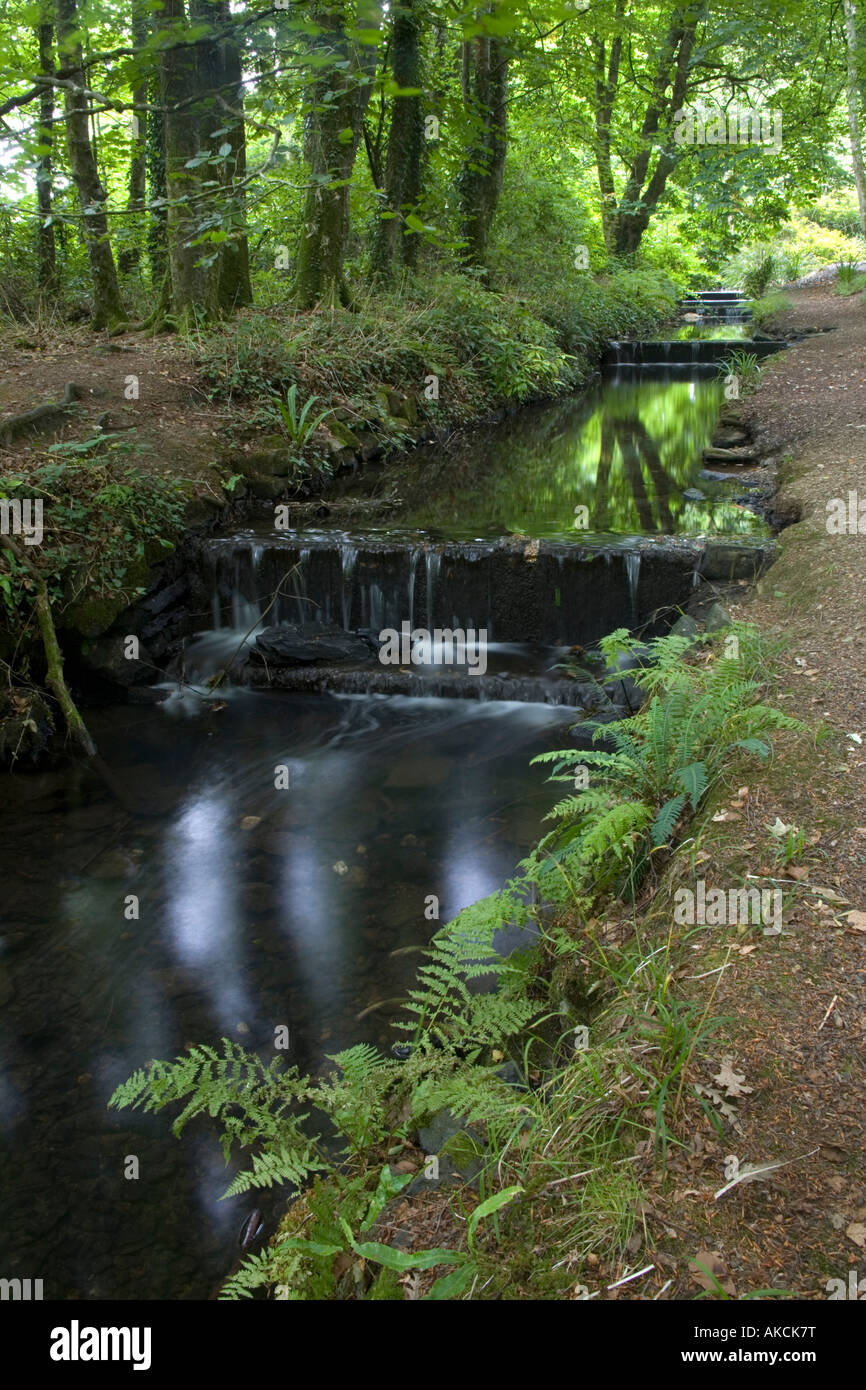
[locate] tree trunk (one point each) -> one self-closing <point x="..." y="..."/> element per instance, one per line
<point x="128" y="259"/>
<point x="107" y="307"/>
<point x="854" y="90"/>
<point x="222" y="109"/>
<point x="405" y="150"/>
<point x="638" y="203"/>
<point x="479" y="184"/>
<point x="337" y="100"/>
<point x="157" y="225"/>
<point x="46" y="249"/>
<point x="606" y="81"/>
<point x="193" y="286"/>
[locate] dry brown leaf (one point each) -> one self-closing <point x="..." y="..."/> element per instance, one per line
<point x="731" y="1080"/>
<point x="709" y="1271"/>
<point x="857" y="1232"/>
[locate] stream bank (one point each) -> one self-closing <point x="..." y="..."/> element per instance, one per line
<point x="794" y="1005"/>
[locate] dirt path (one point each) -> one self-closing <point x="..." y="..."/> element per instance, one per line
<point x="796" y="1003"/>
<point x="141" y="387"/>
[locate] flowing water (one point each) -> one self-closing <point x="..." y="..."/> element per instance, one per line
<point x="233" y="908"/>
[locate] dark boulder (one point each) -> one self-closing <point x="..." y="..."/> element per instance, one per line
<point x="311" y="644"/>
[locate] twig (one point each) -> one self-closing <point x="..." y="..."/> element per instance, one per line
<point x="833" y="1002"/>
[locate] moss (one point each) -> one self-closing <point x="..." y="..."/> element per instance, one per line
<point x="91" y="616"/>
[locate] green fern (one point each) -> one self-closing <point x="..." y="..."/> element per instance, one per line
<point x="658" y="765"/>
<point x="443" y="1010"/>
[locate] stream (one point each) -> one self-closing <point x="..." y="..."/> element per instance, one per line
<point x="304" y="906"/>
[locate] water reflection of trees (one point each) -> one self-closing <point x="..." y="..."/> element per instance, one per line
<point x="626" y="451"/>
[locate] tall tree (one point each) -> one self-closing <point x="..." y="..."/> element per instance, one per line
<point x="107" y="306"/>
<point x="222" y="124"/>
<point x="194" y="283"/>
<point x="485" y="100"/>
<point x="855" y="88"/>
<point x="645" y="183"/>
<point x="128" y="258"/>
<point x="47" y="251"/>
<point x="405" y="146"/>
<point x="343" y="59"/>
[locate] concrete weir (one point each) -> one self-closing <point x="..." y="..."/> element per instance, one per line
<point x="519" y="591"/>
<point x="693" y="353"/>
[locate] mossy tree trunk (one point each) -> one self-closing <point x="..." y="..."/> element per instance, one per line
<point x="157" y="219"/>
<point x="405" y="149"/>
<point x="333" y="122"/>
<point x="107" y="306"/>
<point x="485" y="100"/>
<point x="46" y="249"/>
<point x="128" y="259"/>
<point x="220" y="81"/>
<point x="193" y="285"/>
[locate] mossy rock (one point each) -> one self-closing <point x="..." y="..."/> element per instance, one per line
<point x="90" y="617"/>
<point x="266" y="487"/>
<point x="271" y="463"/>
<point x="340" y="431"/>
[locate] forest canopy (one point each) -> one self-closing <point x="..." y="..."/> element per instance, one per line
<point x="171" y="161"/>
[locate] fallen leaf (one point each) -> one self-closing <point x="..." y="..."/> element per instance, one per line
<point x="779" y="828"/>
<point x="724" y="1107"/>
<point x="827" y="893"/>
<point x="856" y="920"/>
<point x="857" y="1232"/>
<point x="709" y="1271"/>
<point x="798" y="874"/>
<point x="731" y="1080"/>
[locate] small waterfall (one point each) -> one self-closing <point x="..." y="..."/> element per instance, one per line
<point x="246" y="610"/>
<point x="377" y="608"/>
<point x="304" y="612"/>
<point x="632" y="569"/>
<point x="433" y="562"/>
<point x="413" y="565"/>
<point x="348" y="562"/>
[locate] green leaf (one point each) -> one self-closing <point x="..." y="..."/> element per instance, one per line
<point x="499" y="1199"/>
<point x="388" y="1186"/>
<point x="311" y="1247"/>
<point x="451" y="1285"/>
<point x="402" y="1260"/>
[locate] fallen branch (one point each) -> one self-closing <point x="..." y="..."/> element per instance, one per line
<point x="56" y="681"/>
<point x="53" y="655"/>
